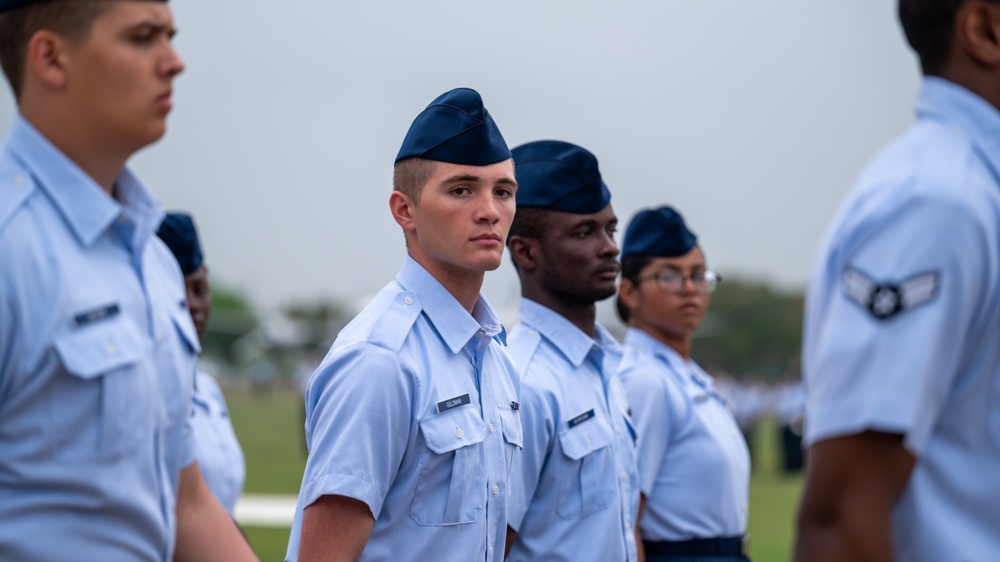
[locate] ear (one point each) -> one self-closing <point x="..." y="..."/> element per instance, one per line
<point x="628" y="294"/>
<point x="977" y="30"/>
<point x="524" y="252"/>
<point x="46" y="59"/>
<point x="403" y="207"/>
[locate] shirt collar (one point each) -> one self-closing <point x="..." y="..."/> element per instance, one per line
<point x="639" y="338"/>
<point x="955" y="105"/>
<point x="85" y="206"/>
<point x="455" y="325"/>
<point x="570" y="340"/>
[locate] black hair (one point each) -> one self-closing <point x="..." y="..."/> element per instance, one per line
<point x="929" y="26"/>
<point x="632" y="266"/>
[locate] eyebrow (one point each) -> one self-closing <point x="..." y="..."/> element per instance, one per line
<point x="594" y="223"/>
<point x="155" y="26"/>
<point x="477" y="179"/>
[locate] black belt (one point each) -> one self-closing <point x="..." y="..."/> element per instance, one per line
<point x="722" y="546"/>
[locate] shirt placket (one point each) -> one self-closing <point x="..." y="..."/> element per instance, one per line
<point x="601" y="359"/>
<point x="493" y="442"/>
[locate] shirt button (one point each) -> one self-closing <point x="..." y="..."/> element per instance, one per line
<point x="496" y="489"/>
<point x="112" y="350"/>
<point x="479" y="334"/>
<point x="460" y="434"/>
<point x="18" y="180"/>
<point x="408" y="301"/>
<point x="624" y="475"/>
<point x="491" y="551"/>
<point x="491" y="428"/>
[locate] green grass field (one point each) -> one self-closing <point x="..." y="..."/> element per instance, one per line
<point x="270" y="430"/>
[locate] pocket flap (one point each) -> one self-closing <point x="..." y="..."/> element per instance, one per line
<point x="95" y="349"/>
<point x="454" y="429"/>
<point x="585" y="438"/>
<point x="511" y="422"/>
<point x="182" y="319"/>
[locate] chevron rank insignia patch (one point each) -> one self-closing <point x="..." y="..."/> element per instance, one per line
<point x="885" y="300"/>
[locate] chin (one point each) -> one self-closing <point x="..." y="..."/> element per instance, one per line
<point x="487" y="262"/>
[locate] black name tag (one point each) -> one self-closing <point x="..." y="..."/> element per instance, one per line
<point x="581" y="418"/>
<point x="452" y="403"/>
<point x="95" y="315"/>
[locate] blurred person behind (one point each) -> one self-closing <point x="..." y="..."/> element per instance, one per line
<point x="694" y="465"/>
<point x="216" y="447"/>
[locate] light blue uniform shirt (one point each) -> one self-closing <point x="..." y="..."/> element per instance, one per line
<point x="903" y="322"/>
<point x="97" y="363"/>
<point x="574" y="491"/>
<point x="413" y="412"/>
<point x="694" y="465"/>
<point x="217" y="449"/>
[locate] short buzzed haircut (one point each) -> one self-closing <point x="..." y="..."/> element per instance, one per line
<point x="409" y="176"/>
<point x="71" y="19"/>
<point x="529" y="222"/>
<point x="929" y="26"/>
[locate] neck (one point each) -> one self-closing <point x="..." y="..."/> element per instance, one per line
<point x="462" y="284"/>
<point x="581" y="314"/>
<point x="677" y="341"/>
<point x="101" y="161"/>
<point x="972" y="78"/>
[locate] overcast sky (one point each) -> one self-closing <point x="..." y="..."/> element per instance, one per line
<point x="752" y="118"/>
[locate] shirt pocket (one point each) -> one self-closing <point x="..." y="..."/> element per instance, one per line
<point x="513" y="434"/>
<point x="587" y="473"/>
<point x="97" y="411"/>
<point x="451" y="488"/>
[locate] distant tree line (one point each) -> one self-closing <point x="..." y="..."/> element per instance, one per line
<point x="752" y="328"/>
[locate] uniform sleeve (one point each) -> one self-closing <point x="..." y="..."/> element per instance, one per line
<point x="900" y="308"/>
<point x="538" y="425"/>
<point x="7" y="347"/>
<point x="651" y="415"/>
<point x="187" y="449"/>
<point x="358" y="418"/>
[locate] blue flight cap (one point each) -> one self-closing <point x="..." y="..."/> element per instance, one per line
<point x="455" y="128"/>
<point x="559" y="176"/>
<point x="657" y="232"/>
<point x="178" y="233"/>
<point x="8" y="4"/>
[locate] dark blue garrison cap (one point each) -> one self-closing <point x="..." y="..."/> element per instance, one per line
<point x="657" y="232"/>
<point x="455" y="128"/>
<point x="559" y="176"/>
<point x="178" y="233"/>
<point x="8" y="4"/>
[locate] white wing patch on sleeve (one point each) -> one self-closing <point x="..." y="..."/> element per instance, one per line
<point x="885" y="300"/>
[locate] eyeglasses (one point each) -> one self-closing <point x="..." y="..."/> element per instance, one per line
<point x="670" y="281"/>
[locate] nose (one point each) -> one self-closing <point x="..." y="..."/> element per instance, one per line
<point x="609" y="248"/>
<point x="488" y="210"/>
<point x="172" y="64"/>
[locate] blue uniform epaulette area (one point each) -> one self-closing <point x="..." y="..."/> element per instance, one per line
<point x="392" y="318"/>
<point x="15" y="189"/>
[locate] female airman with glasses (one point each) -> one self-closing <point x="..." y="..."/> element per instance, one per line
<point x="693" y="463"/>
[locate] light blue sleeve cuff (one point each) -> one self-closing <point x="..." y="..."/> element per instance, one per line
<point x="346" y="485"/>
